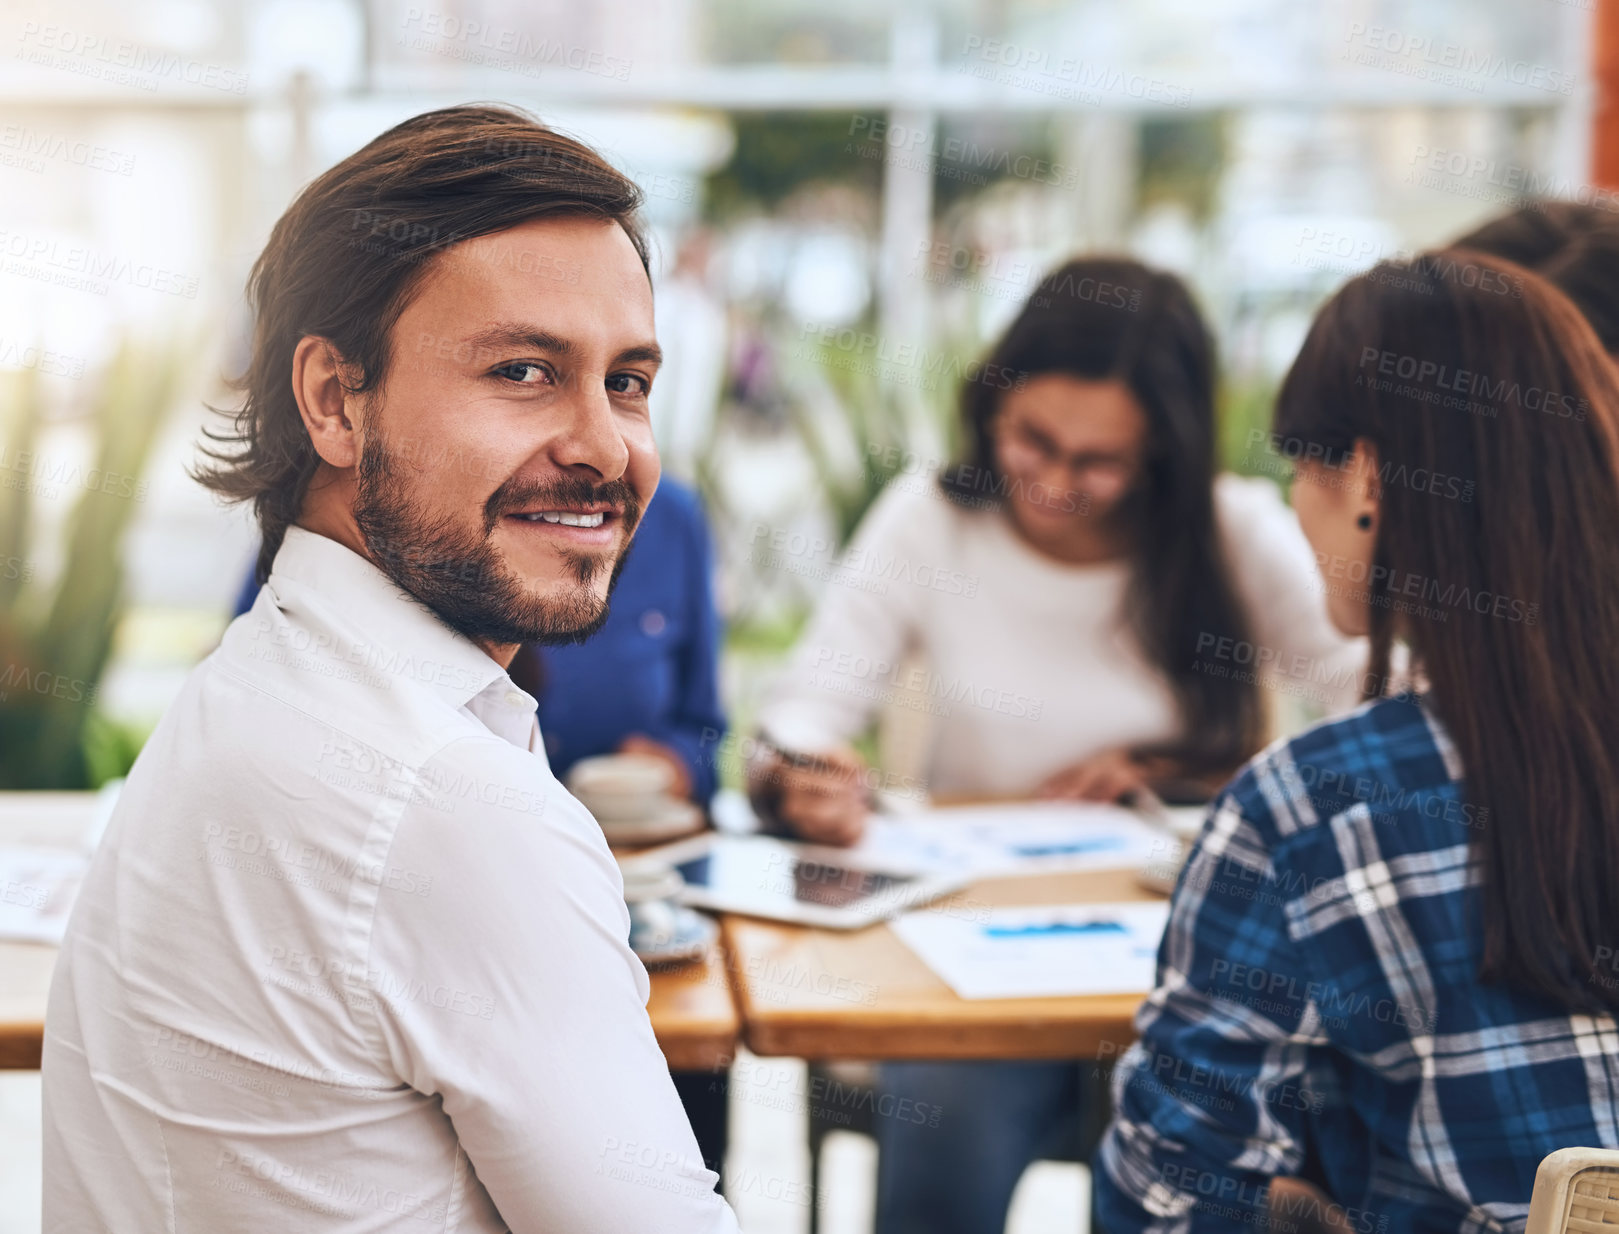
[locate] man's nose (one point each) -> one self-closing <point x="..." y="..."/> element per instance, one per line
<point x="592" y="437"/>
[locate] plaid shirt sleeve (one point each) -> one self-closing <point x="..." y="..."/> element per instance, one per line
<point x="1211" y="1101"/>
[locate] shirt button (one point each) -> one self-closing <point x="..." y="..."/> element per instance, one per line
<point x="514" y="698"/>
<point x="652" y="623"/>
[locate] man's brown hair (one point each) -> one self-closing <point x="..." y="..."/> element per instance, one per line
<point x="344" y="260"/>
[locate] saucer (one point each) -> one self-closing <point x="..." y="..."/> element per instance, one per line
<point x="672" y="820"/>
<point x="692" y="935"/>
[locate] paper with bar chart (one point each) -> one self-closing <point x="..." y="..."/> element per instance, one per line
<point x="1043" y="952"/>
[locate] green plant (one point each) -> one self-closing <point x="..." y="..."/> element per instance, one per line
<point x="56" y="638"/>
<point x="860" y="427"/>
<point x="1245" y="409"/>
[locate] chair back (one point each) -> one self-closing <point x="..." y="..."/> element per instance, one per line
<point x="1577" y="1191"/>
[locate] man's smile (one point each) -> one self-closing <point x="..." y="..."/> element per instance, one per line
<point x="593" y="524"/>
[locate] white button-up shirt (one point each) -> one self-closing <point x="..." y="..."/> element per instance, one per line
<point x="350" y="958"/>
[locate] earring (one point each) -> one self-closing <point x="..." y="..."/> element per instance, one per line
<point x="1364" y="522"/>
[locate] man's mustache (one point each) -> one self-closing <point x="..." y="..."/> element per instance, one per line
<point x="561" y="493"/>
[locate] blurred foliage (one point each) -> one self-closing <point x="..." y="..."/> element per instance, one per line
<point x="1245" y="407"/>
<point x="55" y="641"/>
<point x="1181" y="160"/>
<point x="110" y="747"/>
<point x="858" y="426"/>
<point x="771" y="637"/>
<point x="777" y="153"/>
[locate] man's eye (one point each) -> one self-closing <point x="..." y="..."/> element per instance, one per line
<point x="524" y="372"/>
<point x="637" y="383"/>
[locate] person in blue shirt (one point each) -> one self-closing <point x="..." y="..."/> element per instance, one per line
<point x="646" y="682"/>
<point x="1391" y="968"/>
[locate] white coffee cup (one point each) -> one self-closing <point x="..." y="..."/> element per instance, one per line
<point x="622" y="787"/>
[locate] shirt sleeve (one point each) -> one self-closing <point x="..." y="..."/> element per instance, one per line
<point x="1275" y="573"/>
<point x="503" y="984"/>
<point x="864" y="623"/>
<point x="1212" y="1101"/>
<point x="696" y="724"/>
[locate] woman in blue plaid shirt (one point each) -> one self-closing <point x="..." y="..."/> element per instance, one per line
<point x="1392" y="961"/>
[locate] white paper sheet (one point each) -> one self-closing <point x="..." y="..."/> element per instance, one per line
<point x="37" y="890"/>
<point x="1017" y="837"/>
<point x="1043" y="952"/>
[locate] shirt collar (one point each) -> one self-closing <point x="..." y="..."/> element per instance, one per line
<point x="384" y="630"/>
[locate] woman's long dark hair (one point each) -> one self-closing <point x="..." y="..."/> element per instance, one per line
<point x="1115" y="319"/>
<point x="1464" y="365"/>
<point x="1575" y="248"/>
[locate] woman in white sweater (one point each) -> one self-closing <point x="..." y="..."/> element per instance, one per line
<point x="1093" y="611"/>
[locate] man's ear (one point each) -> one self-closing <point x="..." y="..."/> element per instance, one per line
<point x="324" y="403"/>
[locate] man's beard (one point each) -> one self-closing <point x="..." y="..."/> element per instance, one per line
<point x="455" y="571"/>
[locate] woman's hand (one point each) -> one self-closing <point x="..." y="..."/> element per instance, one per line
<point x="821" y="799"/>
<point x="1108" y="776"/>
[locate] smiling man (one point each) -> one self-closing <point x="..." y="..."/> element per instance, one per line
<point x="349" y="957"/>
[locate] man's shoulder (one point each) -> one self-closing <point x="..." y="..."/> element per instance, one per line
<point x="477" y="774"/>
<point x="374" y="695"/>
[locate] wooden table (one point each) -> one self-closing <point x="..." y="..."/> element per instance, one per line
<point x="691" y="1007"/>
<point x="824" y="994"/>
<point x="694" y="1013"/>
